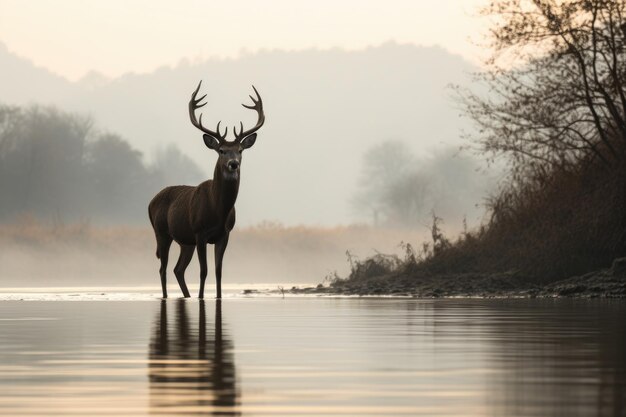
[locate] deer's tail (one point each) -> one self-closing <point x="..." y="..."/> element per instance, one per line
<point x="152" y="223"/>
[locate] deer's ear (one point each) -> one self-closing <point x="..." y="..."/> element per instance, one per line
<point x="211" y="142"/>
<point x="248" y="141"/>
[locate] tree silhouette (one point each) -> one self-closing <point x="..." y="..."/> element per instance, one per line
<point x="52" y="164"/>
<point x="556" y="83"/>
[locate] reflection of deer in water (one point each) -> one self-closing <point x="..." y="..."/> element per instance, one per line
<point x="191" y="371"/>
<point x="196" y="216"/>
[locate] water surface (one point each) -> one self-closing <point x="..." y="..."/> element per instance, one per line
<point x="315" y="356"/>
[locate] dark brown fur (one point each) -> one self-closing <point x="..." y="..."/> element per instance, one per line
<point x="197" y="216"/>
<point x="194" y="217"/>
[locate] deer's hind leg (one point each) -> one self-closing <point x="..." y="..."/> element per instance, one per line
<point x="163" y="252"/>
<point x="186" y="253"/>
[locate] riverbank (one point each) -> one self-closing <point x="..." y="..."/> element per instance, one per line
<point x="605" y="283"/>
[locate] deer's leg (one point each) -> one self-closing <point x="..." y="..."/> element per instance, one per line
<point x="163" y="249"/>
<point x="186" y="253"/>
<point x="201" y="249"/>
<point x="220" y="248"/>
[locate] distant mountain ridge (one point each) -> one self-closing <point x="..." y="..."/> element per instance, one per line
<point x="324" y="109"/>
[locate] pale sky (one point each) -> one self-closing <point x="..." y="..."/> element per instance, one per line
<point x="73" y="37"/>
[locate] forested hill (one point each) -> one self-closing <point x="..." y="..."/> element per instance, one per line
<point x="324" y="109"/>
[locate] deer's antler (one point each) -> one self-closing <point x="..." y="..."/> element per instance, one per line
<point x="258" y="106"/>
<point x="194" y="104"/>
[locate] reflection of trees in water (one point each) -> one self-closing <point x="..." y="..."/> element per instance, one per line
<point x="191" y="369"/>
<point x="558" y="358"/>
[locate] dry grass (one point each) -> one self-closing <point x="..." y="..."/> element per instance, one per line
<point x="27" y="230"/>
<point x="562" y="223"/>
<point x="544" y="227"/>
<point x="36" y="252"/>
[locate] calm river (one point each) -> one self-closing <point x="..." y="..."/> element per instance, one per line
<point x="316" y="356"/>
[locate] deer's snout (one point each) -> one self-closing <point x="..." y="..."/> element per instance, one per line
<point x="233" y="165"/>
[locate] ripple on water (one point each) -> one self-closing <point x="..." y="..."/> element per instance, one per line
<point x="268" y="356"/>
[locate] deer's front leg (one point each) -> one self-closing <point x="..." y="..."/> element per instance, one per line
<point x="220" y="248"/>
<point x="201" y="249"/>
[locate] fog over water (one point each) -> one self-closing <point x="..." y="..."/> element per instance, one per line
<point x="368" y="136"/>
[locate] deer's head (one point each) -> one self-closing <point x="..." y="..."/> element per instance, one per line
<point x="229" y="160"/>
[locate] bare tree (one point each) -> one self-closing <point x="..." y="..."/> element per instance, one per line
<point x="556" y="83"/>
<point x="383" y="165"/>
<point x="402" y="190"/>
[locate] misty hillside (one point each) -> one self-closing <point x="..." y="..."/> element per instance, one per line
<point x="324" y="110"/>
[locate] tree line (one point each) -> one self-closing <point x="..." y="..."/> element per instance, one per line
<point x="55" y="164"/>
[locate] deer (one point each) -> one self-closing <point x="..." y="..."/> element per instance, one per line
<point x="204" y="214"/>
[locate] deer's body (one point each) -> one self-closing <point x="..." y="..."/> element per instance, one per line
<point x="196" y="216"/>
<point x="185" y="213"/>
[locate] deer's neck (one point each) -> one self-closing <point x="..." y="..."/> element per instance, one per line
<point x="225" y="190"/>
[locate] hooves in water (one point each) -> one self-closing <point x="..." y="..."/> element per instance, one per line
<point x="200" y="297"/>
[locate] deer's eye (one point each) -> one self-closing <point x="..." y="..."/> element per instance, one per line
<point x="222" y="151"/>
